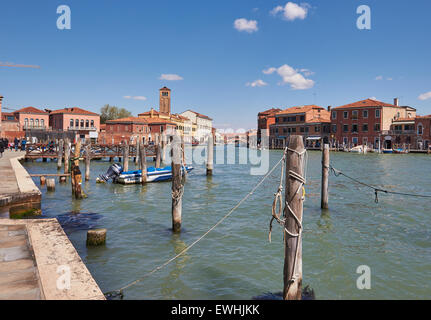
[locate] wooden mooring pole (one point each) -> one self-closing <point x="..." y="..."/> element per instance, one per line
<point x="87" y="162"/>
<point x="325" y="177"/>
<point x="292" y="272"/>
<point x="177" y="187"/>
<point x="60" y="153"/>
<point x="126" y="157"/>
<point x="143" y="164"/>
<point x="76" y="176"/>
<point x="210" y="155"/>
<point x="66" y="155"/>
<point x="138" y="146"/>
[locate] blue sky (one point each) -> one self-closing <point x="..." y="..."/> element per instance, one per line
<point x="121" y="48"/>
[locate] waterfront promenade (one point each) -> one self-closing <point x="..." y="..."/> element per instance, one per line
<point x="37" y="259"/>
<point x="17" y="187"/>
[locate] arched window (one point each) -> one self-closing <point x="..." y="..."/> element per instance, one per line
<point x="31" y="123"/>
<point x="37" y="123"/>
<point x="92" y="123"/>
<point x="71" y="123"/>
<point x="420" y="128"/>
<point x="77" y="123"/>
<point x="26" y="122"/>
<point x="87" y="123"/>
<point x="42" y="122"/>
<point x="82" y="123"/>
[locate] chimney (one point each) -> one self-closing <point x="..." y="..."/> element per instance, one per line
<point x="329" y="108"/>
<point x="396" y="102"/>
<point x="151" y="113"/>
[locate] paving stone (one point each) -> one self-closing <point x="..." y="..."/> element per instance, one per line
<point x="14" y="253"/>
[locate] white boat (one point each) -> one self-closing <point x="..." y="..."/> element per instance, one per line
<point x="115" y="172"/>
<point x="153" y="175"/>
<point x="361" y="149"/>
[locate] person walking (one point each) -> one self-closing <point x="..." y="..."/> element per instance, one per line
<point x="1" y="147"/>
<point x="23" y="143"/>
<point x="16" y="143"/>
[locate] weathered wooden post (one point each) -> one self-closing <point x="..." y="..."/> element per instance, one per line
<point x="143" y="164"/>
<point x="50" y="184"/>
<point x="76" y="177"/>
<point x="60" y="153"/>
<point x="126" y="157"/>
<point x="210" y="155"/>
<point x="66" y="155"/>
<point x="325" y="177"/>
<point x="87" y="162"/>
<point x="96" y="237"/>
<point x="292" y="272"/>
<point x="158" y="156"/>
<point x="138" y="146"/>
<point x="177" y="186"/>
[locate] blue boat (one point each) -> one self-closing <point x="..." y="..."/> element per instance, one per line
<point x="116" y="173"/>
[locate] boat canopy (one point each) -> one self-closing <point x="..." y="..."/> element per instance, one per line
<point x="314" y="138"/>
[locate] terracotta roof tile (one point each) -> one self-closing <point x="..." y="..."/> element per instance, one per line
<point x="366" y="103"/>
<point x="30" y="110"/>
<point x="128" y="120"/>
<point x="74" y="110"/>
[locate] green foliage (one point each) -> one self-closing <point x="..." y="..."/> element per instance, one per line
<point x="108" y="112"/>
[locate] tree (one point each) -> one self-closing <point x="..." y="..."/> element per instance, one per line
<point x="108" y="112"/>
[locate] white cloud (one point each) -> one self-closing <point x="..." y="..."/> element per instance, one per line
<point x="292" y="11"/>
<point x="257" y="83"/>
<point x="425" y="96"/>
<point x="245" y="25"/>
<point x="379" y="78"/>
<point x="269" y="70"/>
<point x="307" y="72"/>
<point x="135" y="97"/>
<point x="292" y="77"/>
<point x="170" y="77"/>
<point x="372" y="98"/>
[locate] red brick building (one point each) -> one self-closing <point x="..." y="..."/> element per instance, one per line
<point x="264" y="120"/>
<point x="422" y="132"/>
<point x="312" y="122"/>
<point x="126" y="129"/>
<point x="366" y="122"/>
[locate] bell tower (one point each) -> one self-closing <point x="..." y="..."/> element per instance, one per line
<point x="165" y="100"/>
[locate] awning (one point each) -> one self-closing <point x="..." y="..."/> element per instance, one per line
<point x="313" y="138"/>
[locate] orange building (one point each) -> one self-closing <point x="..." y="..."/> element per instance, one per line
<point x="366" y="122"/>
<point x="264" y="120"/>
<point x="85" y="124"/>
<point x="125" y="129"/>
<point x="312" y="122"/>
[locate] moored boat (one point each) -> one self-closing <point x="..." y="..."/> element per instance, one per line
<point x="387" y="151"/>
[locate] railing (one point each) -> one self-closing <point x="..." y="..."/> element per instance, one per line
<point x="33" y="126"/>
<point x="81" y="128"/>
<point x="401" y="131"/>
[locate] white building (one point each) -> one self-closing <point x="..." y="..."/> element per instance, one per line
<point x="202" y="123"/>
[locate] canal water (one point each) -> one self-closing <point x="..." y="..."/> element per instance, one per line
<point x="236" y="261"/>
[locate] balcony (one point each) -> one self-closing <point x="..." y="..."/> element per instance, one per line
<point x="394" y="132"/>
<point x="82" y="128"/>
<point x="34" y="127"/>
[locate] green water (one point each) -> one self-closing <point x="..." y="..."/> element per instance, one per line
<point x="236" y="261"/>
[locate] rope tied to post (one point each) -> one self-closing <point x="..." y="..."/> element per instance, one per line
<point x="287" y="210"/>
<point x="377" y="190"/>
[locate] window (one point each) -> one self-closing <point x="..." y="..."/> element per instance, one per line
<point x="31" y="123"/>
<point x="92" y="123"/>
<point x="355" y="140"/>
<point x="334" y="128"/>
<point x="365" y="141"/>
<point x="334" y="114"/>
<point x="42" y="122"/>
<point x="377" y="127"/>
<point x="316" y="129"/>
<point x="307" y="129"/>
<point x="302" y="129"/>
<point x="377" y="113"/>
<point x="345" y="140"/>
<point x="355" y="115"/>
<point x="345" y="128"/>
<point x="76" y="123"/>
<point x="354" y="128"/>
<point x="365" y="114"/>
<point x="87" y="123"/>
<point x="26" y="122"/>
<point x="420" y="128"/>
<point x="345" y="114"/>
<point x="365" y="127"/>
<point x="82" y="123"/>
<point x="284" y="130"/>
<point x="37" y="123"/>
<point x="276" y="120"/>
<point x="302" y="118"/>
<point x="165" y="94"/>
<point x="293" y="130"/>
